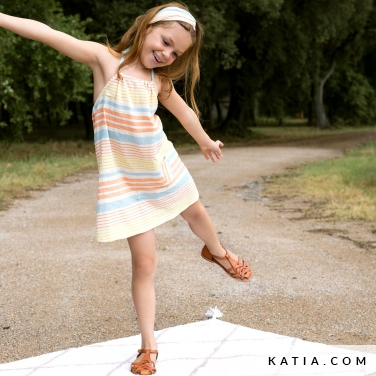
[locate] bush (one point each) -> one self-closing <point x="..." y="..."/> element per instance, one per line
<point x="36" y="82"/>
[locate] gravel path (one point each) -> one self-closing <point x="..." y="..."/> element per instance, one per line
<point x="60" y="289"/>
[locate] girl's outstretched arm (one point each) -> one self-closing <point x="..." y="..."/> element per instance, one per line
<point x="82" y="51"/>
<point x="186" y="116"/>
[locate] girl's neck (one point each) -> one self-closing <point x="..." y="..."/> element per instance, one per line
<point x="137" y="71"/>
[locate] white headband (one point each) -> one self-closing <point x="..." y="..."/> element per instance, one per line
<point x="174" y="14"/>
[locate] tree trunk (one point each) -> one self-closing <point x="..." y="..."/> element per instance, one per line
<point x="322" y="120"/>
<point x="87" y="120"/>
<point x="242" y="108"/>
<point x="310" y="112"/>
<point x="241" y="117"/>
<point x="233" y="110"/>
<point x="255" y="108"/>
<point x="219" y="111"/>
<point x="208" y="115"/>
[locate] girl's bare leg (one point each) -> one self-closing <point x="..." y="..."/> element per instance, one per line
<point x="201" y="225"/>
<point x="144" y="265"/>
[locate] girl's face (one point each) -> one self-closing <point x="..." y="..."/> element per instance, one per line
<point x="163" y="45"/>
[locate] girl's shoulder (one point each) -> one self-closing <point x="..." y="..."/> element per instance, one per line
<point x="105" y="56"/>
<point x="105" y="68"/>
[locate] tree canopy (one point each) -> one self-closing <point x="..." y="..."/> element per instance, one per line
<point x="37" y="83"/>
<point x="273" y="58"/>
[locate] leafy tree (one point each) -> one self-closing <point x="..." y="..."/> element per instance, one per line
<point x="288" y="51"/>
<point x="333" y="30"/>
<point x="272" y="56"/>
<point x="351" y="97"/>
<point x="268" y="62"/>
<point x="36" y="82"/>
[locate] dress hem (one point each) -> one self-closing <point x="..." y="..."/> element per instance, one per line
<point x="158" y="223"/>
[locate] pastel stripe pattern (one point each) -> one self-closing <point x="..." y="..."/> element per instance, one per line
<point x="142" y="181"/>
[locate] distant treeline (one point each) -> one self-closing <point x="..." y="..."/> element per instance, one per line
<point x="275" y="58"/>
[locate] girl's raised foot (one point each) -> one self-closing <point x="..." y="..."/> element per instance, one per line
<point x="238" y="270"/>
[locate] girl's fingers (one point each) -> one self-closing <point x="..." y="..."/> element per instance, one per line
<point x="215" y="154"/>
<point x="209" y="155"/>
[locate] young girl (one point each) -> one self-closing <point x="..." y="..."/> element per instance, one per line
<point x="142" y="181"/>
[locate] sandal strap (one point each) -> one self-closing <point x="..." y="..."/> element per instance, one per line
<point x="220" y="258"/>
<point x="242" y="269"/>
<point x="143" y="366"/>
<point x="239" y="267"/>
<point x="141" y="351"/>
<point x="146" y="364"/>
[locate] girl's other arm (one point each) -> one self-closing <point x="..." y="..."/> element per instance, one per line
<point x="186" y="116"/>
<point x="82" y="51"/>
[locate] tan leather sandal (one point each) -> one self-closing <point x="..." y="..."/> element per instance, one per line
<point x="238" y="269"/>
<point x="144" y="366"/>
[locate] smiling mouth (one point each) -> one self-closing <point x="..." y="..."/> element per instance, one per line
<point x="156" y="59"/>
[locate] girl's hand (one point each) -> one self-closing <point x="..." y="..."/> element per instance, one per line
<point x="212" y="150"/>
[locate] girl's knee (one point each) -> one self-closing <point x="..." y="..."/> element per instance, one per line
<point x="195" y="212"/>
<point x="144" y="266"/>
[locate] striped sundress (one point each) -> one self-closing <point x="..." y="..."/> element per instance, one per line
<point x="142" y="181"/>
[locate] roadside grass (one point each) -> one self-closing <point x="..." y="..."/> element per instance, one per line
<point x="39" y="163"/>
<point x="291" y="132"/>
<point x="340" y="189"/>
<point x="263" y="135"/>
<point x="34" y="166"/>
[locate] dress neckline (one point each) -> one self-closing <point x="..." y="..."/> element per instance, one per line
<point x="115" y="77"/>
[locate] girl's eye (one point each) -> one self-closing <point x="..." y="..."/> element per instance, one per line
<point x="166" y="43"/>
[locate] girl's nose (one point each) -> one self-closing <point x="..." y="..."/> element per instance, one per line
<point x="168" y="53"/>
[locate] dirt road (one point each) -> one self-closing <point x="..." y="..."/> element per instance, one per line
<point x="59" y="288"/>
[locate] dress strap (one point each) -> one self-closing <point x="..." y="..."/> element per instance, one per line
<point x="123" y="53"/>
<point x="152" y="74"/>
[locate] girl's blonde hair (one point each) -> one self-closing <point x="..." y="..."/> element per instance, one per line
<point x="186" y="65"/>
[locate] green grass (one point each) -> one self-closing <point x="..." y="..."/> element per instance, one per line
<point x="272" y="134"/>
<point x="33" y="166"/>
<point x="37" y="164"/>
<point x="345" y="187"/>
<point x="262" y="135"/>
